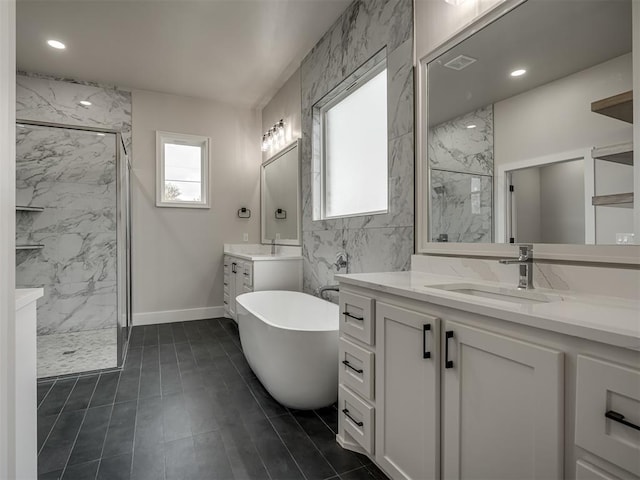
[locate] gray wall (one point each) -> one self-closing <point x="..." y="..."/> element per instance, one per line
<point x="379" y="242"/>
<point x="562" y="203"/>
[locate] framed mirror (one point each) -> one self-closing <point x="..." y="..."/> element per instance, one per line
<point x="526" y="131"/>
<point x="280" y="202"/>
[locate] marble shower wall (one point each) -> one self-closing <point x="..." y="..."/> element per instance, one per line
<point x="72" y="174"/>
<point x="461" y="166"/>
<point x="373" y="242"/>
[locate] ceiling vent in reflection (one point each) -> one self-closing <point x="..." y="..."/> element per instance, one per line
<point x="460" y="62"/>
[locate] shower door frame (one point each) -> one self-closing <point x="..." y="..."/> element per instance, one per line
<point x="121" y="329"/>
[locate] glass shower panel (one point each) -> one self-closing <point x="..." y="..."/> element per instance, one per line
<point x="66" y="232"/>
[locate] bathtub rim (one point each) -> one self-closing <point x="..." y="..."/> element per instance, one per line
<point x="281" y="327"/>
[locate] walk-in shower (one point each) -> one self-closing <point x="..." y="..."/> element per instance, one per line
<point x="73" y="240"/>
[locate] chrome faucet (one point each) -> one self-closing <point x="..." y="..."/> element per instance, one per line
<point x="327" y="288"/>
<point x="342" y="261"/>
<point x="525" y="265"/>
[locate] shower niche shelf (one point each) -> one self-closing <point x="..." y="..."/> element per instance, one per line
<point x="24" y="208"/>
<point x="621" y="153"/>
<point x="30" y="247"/>
<point x="621" y="200"/>
<point x="618" y="106"/>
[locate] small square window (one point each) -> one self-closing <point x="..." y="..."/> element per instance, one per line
<point x="182" y="170"/>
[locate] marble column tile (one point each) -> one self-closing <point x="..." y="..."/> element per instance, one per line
<point x="400" y="90"/>
<point x="379" y="249"/>
<point x="57" y="155"/>
<point x="68" y="258"/>
<point x="402" y="156"/>
<point x="50" y="100"/>
<point x="461" y="206"/>
<point x="453" y="146"/>
<point x="319" y="249"/>
<point x="63" y="195"/>
<point x="72" y="307"/>
<point x="67" y="220"/>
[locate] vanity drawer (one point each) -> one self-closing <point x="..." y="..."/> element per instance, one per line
<point x="356" y="417"/>
<point x="356" y="316"/>
<point x="225" y="300"/>
<point x="247" y="273"/>
<point x="227" y="265"/>
<point x="607" y="388"/>
<point x="356" y="368"/>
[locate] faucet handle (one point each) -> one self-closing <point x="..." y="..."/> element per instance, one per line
<point x="525" y="252"/>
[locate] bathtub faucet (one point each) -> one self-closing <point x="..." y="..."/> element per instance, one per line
<point x="320" y="291"/>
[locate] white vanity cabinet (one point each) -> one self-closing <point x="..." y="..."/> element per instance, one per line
<point x="442" y="393"/>
<point x="407" y="392"/>
<point x="502" y="406"/>
<point x="249" y="273"/>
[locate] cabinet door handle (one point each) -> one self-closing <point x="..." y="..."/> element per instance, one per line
<point x="233" y="267"/>
<point x="351" y="315"/>
<point x="346" y="412"/>
<point x="447" y="363"/>
<point x="618" y="417"/>
<point x="425" y="328"/>
<point x="357" y="370"/>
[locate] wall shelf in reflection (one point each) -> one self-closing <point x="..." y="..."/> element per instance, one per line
<point x="621" y="153"/>
<point x="618" y="106"/>
<point x="24" y="208"/>
<point x="622" y="200"/>
<point x="29" y="247"/>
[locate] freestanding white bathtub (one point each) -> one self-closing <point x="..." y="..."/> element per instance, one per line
<point x="290" y="340"/>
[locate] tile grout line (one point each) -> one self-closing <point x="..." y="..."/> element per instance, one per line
<point x="113" y="404"/>
<point x="45" y="395"/>
<point x="57" y="417"/>
<point x="86" y="410"/>
<point x="135" y="423"/>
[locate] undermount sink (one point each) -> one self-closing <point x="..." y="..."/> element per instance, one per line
<point x="498" y="293"/>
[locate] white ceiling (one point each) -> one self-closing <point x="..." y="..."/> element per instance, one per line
<point x="550" y="39"/>
<point x="235" y="51"/>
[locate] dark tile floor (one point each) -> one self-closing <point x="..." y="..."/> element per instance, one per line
<point x="186" y="405"/>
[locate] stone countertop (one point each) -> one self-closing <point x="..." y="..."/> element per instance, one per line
<point x="609" y="320"/>
<point x="261" y="256"/>
<point x="24" y="296"/>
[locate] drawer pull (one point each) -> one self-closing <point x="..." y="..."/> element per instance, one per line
<point x="357" y="370"/>
<point x="245" y="274"/>
<point x="618" y="417"/>
<point x="447" y="363"/>
<point x="225" y="284"/>
<point x="351" y="315"/>
<point x="346" y="412"/>
<point x="425" y="328"/>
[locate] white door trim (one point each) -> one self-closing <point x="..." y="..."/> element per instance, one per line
<point x="502" y="190"/>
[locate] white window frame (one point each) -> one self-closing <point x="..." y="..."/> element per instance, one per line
<point x="351" y="87"/>
<point x="163" y="138"/>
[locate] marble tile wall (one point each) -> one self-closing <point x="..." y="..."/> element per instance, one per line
<point x="605" y="280"/>
<point x="373" y="242"/>
<point x="461" y="168"/>
<point x="72" y="174"/>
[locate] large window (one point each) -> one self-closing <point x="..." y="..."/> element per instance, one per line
<point x="354" y="148"/>
<point x="182" y="170"/>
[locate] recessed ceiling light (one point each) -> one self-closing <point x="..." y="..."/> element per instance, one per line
<point x="56" y="44"/>
<point x="86" y="103"/>
<point x="471" y="126"/>
<point x="518" y="73"/>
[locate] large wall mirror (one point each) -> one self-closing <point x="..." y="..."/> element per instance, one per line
<point x="280" y="207"/>
<point x="527" y="132"/>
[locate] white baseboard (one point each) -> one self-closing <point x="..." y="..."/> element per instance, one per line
<point x="168" y="316"/>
